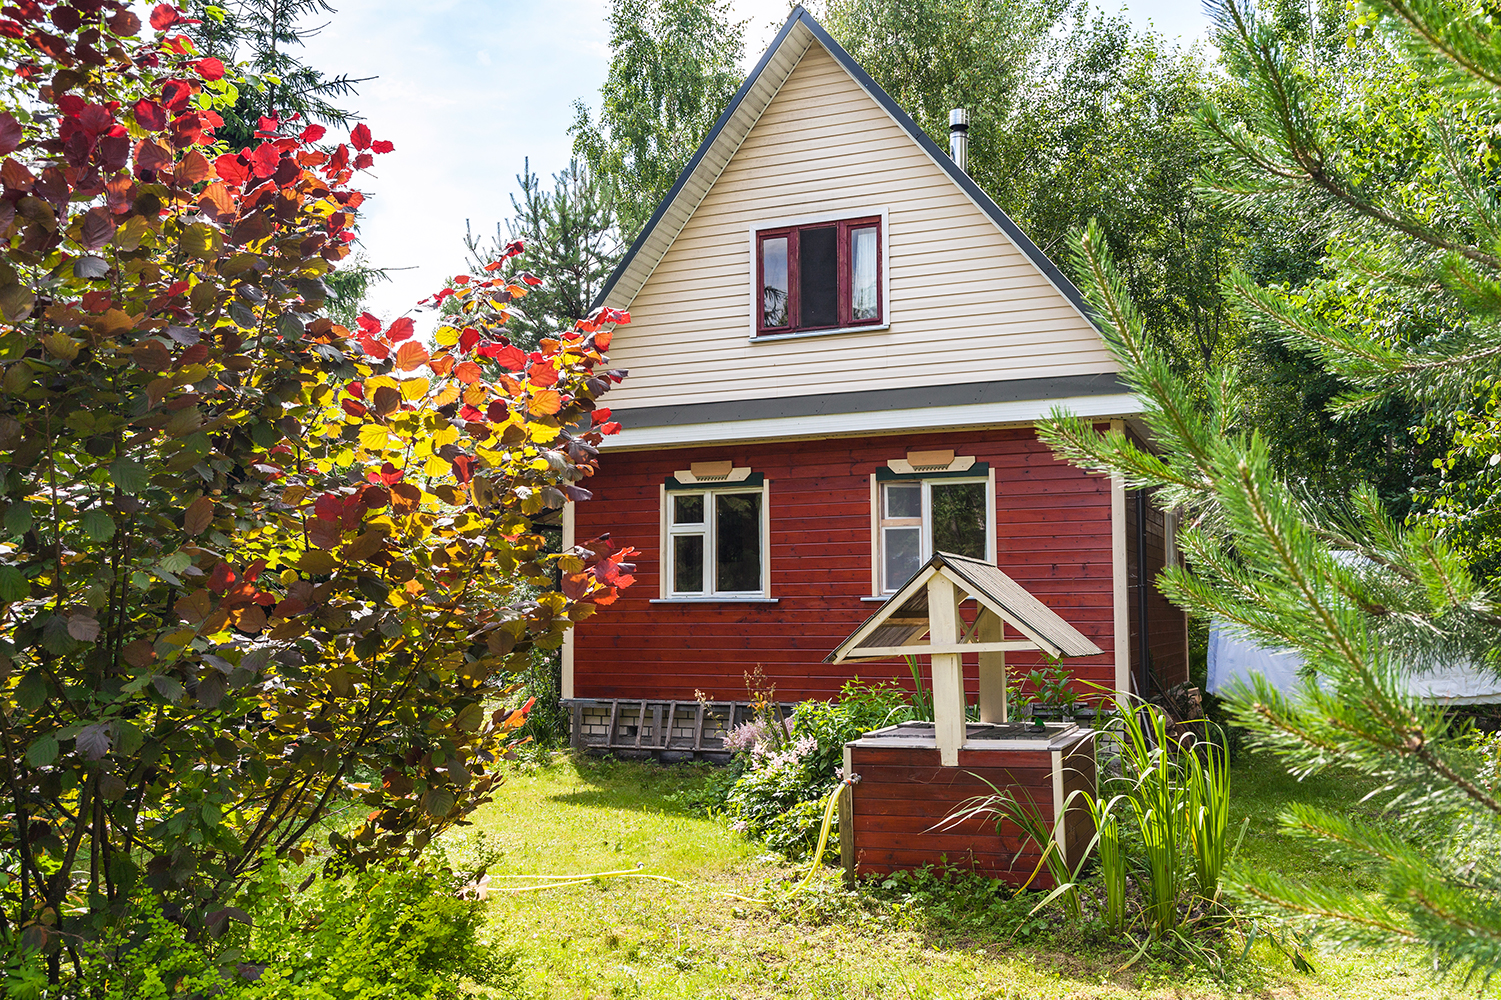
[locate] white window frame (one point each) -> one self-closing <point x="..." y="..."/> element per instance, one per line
<point x="671" y="531"/>
<point x="798" y="221"/>
<point x="879" y="521"/>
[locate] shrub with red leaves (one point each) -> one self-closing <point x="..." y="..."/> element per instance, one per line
<point x="248" y="557"/>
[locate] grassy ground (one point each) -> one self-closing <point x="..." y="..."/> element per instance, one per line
<point x="614" y="938"/>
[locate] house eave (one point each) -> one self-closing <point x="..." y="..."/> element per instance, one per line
<point x="923" y="419"/>
<point x="708" y="162"/>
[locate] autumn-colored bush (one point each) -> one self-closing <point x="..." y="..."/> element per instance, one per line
<point x="252" y="563"/>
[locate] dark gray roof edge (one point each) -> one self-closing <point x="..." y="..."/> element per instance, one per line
<point x="698" y="155"/>
<point x="871" y="400"/>
<point x="965" y="181"/>
<point x="1023" y="242"/>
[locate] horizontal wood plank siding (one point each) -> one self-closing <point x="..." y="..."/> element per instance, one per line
<point x="963" y="299"/>
<point x="904" y="800"/>
<point x="1167" y="625"/>
<point x="1052" y="535"/>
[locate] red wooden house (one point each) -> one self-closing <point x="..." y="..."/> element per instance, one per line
<point x="838" y="351"/>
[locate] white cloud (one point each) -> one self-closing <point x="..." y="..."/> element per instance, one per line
<point x="467" y="92"/>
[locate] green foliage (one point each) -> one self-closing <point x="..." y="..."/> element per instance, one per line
<point x="349" y="286"/>
<point x="1464" y="503"/>
<point x="1163" y="820"/>
<point x="1157" y="798"/>
<point x="1051" y="685"/>
<point x="1208" y="805"/>
<point x="1398" y="189"/>
<point x="710" y="795"/>
<point x="861" y="707"/>
<point x="407" y="931"/>
<point x="1064" y="105"/>
<point x="569" y="233"/>
<point x="963" y="900"/>
<point x="547" y="722"/>
<point x="262" y="36"/>
<point x="571" y="236"/>
<point x="781" y="794"/>
<point x="674" y="67"/>
<point x="1488" y="750"/>
<point x="922" y="697"/>
<point x="1110" y="850"/>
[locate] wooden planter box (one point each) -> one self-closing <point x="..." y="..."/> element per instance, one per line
<point x="895" y="818"/>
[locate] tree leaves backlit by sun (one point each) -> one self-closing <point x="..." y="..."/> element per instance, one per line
<point x="253" y="564"/>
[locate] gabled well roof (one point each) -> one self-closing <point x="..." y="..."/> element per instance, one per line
<point x="904" y="617"/>
<point x="799" y="33"/>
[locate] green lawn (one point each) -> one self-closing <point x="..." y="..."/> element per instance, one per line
<point x="614" y="938"/>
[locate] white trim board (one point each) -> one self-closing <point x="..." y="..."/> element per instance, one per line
<point x="1120" y="582"/>
<point x="879" y="422"/>
<point x="569" y="539"/>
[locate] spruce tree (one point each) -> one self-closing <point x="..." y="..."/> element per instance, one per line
<point x="1400" y="191"/>
<point x="265" y="36"/>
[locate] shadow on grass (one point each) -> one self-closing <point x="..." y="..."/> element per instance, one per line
<point x="1261" y="788"/>
<point x="681" y="789"/>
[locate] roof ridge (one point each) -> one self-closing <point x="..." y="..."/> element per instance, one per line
<point x="800" y="17"/>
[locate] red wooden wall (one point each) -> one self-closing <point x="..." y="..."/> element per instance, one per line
<point x="903" y="798"/>
<point x="1167" y="626"/>
<point x="1052" y="536"/>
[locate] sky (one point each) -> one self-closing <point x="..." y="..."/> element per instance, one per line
<point x="469" y="90"/>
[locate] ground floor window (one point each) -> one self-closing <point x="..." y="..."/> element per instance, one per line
<point x="716" y="543"/>
<point x="917" y="517"/>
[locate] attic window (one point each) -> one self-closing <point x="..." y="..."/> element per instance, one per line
<point x="819" y="276"/>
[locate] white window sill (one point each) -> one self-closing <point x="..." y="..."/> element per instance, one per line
<point x="870" y="328"/>
<point x="714" y="600"/>
<point x="883" y="597"/>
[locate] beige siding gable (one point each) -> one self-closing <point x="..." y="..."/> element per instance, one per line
<point x="965" y="304"/>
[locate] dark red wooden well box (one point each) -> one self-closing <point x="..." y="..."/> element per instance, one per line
<point x="895" y="817"/>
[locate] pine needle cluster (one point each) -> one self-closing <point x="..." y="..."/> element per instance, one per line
<point x="1366" y="601"/>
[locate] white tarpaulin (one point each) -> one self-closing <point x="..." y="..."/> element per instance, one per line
<point x="1234" y="659"/>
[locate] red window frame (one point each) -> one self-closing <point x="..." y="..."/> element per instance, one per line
<point x="845" y="277"/>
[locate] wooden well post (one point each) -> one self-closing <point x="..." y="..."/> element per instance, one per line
<point x="910" y="778"/>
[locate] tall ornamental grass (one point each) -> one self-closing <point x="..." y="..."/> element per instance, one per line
<point x="1158" y="800"/>
<point x="1164" y="823"/>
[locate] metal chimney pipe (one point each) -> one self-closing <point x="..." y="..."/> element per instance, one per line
<point x="959" y="137"/>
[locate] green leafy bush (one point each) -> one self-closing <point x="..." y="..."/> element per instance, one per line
<point x="1052" y="686"/>
<point x="410" y="931"/>
<point x="781" y="795"/>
